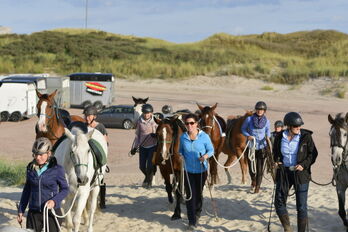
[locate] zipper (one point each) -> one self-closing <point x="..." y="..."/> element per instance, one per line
<point x="40" y="192"/>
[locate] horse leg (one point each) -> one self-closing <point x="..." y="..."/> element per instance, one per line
<point x="341" y="193"/>
<point x="177" y="210"/>
<point x="244" y="168"/>
<point x="228" y="162"/>
<point x="166" y="176"/>
<point x="93" y="205"/>
<point x="80" y="205"/>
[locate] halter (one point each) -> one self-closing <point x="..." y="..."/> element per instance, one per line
<point x="75" y="163"/>
<point x="54" y="114"/>
<point x="207" y="126"/>
<point x="337" y="143"/>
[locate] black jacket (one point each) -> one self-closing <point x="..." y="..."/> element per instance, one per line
<point x="306" y="155"/>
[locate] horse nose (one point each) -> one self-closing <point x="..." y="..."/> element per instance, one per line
<point x="82" y="181"/>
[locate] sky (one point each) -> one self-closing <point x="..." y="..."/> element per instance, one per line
<point x="177" y="21"/>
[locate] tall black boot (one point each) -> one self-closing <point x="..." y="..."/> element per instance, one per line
<point x="284" y="219"/>
<point x="302" y="224"/>
<point x="102" y="196"/>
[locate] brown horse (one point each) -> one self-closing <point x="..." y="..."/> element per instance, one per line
<point x="215" y="126"/>
<point x="167" y="157"/>
<point x="51" y="121"/>
<point x="235" y="145"/>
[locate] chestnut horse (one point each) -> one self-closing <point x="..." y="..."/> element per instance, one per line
<point x="167" y="157"/>
<point x="52" y="120"/>
<point x="215" y="126"/>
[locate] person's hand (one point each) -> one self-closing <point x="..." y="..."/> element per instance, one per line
<point x="153" y="135"/>
<point x="203" y="157"/>
<point x="277" y="164"/>
<point x="133" y="151"/>
<point x="250" y="137"/>
<point x="20" y="218"/>
<point x="299" y="167"/>
<point x="50" y="204"/>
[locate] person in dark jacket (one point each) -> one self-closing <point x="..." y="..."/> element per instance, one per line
<point x="294" y="153"/>
<point x="278" y="127"/>
<point x="45" y="185"/>
<point x="91" y="115"/>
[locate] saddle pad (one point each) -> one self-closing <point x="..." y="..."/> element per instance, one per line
<point x="98" y="152"/>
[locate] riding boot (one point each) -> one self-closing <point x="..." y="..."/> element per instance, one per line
<point x="102" y="196"/>
<point x="302" y="224"/>
<point x="284" y="219"/>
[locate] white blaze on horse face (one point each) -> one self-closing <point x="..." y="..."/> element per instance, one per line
<point x="42" y="119"/>
<point x="164" y="144"/>
<point x="336" y="151"/>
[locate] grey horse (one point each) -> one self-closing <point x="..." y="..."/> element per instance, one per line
<point x="339" y="152"/>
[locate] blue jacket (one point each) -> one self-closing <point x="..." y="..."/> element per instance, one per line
<point x="50" y="185"/>
<point x="248" y="129"/>
<point x="192" y="150"/>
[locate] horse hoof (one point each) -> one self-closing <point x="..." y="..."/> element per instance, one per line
<point x="175" y="217"/>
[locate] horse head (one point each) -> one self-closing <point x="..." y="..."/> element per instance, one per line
<point x="45" y="110"/>
<point x="338" y="138"/>
<point x="138" y="102"/>
<point x="80" y="151"/>
<point x="207" y="118"/>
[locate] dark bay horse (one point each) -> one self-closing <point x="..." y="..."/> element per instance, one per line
<point x="215" y="126"/>
<point x="339" y="152"/>
<point x="167" y="157"/>
<point x="52" y="120"/>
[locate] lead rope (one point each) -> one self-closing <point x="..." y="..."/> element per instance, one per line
<point x="251" y="156"/>
<point x="46" y="218"/>
<point x="213" y="203"/>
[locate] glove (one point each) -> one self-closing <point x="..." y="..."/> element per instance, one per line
<point x="153" y="135"/>
<point x="133" y="151"/>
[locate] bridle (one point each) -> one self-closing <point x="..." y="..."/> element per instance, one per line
<point x="54" y="113"/>
<point x="204" y="125"/>
<point x="335" y="141"/>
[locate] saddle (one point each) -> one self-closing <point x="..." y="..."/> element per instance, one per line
<point x="99" y="156"/>
<point x="222" y="123"/>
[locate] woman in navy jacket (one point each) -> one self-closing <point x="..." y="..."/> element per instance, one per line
<point x="45" y="184"/>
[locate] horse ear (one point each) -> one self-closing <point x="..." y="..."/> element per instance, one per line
<point x="331" y="120"/>
<point x="157" y="120"/>
<point x="146" y="99"/>
<point x="52" y="95"/>
<point x="214" y="107"/>
<point x="134" y="99"/>
<point x="39" y="95"/>
<point x="68" y="134"/>
<point x="200" y="107"/>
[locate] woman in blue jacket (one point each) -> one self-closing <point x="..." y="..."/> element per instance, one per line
<point x="196" y="148"/>
<point x="45" y="184"/>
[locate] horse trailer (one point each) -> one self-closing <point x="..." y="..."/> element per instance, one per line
<point x="91" y="89"/>
<point x="17" y="99"/>
<point x="62" y="84"/>
<point x="39" y="81"/>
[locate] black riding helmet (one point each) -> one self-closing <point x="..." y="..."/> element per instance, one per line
<point x="147" y="108"/>
<point x="260" y="105"/>
<point x="293" y="119"/>
<point x="167" y="109"/>
<point x="278" y="124"/>
<point x="90" y="110"/>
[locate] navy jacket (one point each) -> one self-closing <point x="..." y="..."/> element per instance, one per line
<point x="50" y="185"/>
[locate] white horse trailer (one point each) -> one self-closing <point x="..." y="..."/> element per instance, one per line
<point x="40" y="81"/>
<point x="91" y="89"/>
<point x="17" y="100"/>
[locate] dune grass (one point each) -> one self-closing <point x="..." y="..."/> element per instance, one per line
<point x="12" y="174"/>
<point x="282" y="58"/>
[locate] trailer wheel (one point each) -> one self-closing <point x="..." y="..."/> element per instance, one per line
<point x="98" y="105"/>
<point x="16" y="116"/>
<point x="4" y="116"/>
<point x="127" y="124"/>
<point x="86" y="104"/>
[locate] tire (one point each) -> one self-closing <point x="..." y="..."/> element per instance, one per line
<point x="15" y="116"/>
<point x="98" y="105"/>
<point x="127" y="124"/>
<point x="85" y="104"/>
<point x="4" y="116"/>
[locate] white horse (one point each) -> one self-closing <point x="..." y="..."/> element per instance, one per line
<point x="74" y="154"/>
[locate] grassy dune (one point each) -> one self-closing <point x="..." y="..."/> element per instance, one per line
<point x="12" y="174"/>
<point x="282" y="58"/>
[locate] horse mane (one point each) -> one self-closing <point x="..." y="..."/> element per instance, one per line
<point x="79" y="125"/>
<point x="340" y="121"/>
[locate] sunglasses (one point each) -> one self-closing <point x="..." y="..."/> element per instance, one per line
<point x="189" y="123"/>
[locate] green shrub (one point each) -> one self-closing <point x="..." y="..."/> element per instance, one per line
<point x="12" y="174"/>
<point x="267" y="87"/>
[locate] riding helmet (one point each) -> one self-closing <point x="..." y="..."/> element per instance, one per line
<point x="260" y="105"/>
<point x="167" y="109"/>
<point x="41" y="146"/>
<point x="293" y="119"/>
<point x="90" y="110"/>
<point x="278" y="124"/>
<point x="147" y="108"/>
